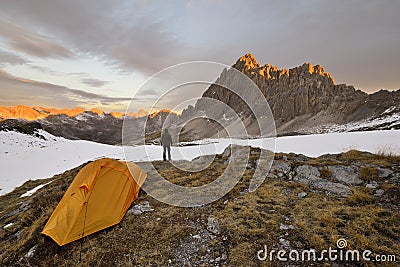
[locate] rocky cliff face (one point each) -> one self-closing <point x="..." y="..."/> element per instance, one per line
<point x="301" y="97"/>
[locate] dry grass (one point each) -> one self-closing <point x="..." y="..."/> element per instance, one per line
<point x="325" y="173"/>
<point x="386" y="151"/>
<point x="248" y="221"/>
<point x="369" y="173"/>
<point x="368" y="158"/>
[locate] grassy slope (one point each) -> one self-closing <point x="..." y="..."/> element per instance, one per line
<point x="248" y="221"/>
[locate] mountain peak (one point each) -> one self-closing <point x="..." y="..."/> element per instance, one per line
<point x="142" y="113"/>
<point x="246" y="62"/>
<point x="161" y="111"/>
<point x="97" y="111"/>
<point x="317" y="69"/>
<point x="248" y="65"/>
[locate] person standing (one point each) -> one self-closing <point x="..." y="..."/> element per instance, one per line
<point x="166" y="142"/>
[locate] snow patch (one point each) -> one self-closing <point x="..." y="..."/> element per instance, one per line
<point x="35" y="158"/>
<point x="7" y="225"/>
<point x="389" y="121"/>
<point x="32" y="191"/>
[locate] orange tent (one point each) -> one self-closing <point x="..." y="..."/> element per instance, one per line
<point x="97" y="198"/>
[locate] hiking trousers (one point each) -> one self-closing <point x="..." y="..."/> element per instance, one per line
<point x="166" y="149"/>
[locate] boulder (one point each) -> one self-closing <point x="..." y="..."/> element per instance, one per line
<point x="384" y="172"/>
<point x="280" y="166"/>
<point x="140" y="208"/>
<point x="307" y="174"/>
<point x="345" y="174"/>
<point x="334" y="188"/>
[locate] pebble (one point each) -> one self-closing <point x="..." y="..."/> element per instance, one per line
<point x="302" y="194"/>
<point x="379" y="192"/>
<point x="286" y="227"/>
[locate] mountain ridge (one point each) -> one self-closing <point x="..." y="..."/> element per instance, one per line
<point x="38" y="112"/>
<point x="248" y="64"/>
<point x="77" y="123"/>
<point x="303" y="100"/>
<point x="300" y="98"/>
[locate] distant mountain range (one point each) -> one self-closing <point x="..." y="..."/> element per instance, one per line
<point x="303" y="100"/>
<point x="37" y="113"/>
<point x="77" y="123"/>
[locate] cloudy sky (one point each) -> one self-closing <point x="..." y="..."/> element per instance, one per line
<point x="98" y="53"/>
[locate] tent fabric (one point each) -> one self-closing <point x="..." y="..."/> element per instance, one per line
<point x="97" y="198"/>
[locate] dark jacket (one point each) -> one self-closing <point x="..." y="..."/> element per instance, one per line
<point x="166" y="139"/>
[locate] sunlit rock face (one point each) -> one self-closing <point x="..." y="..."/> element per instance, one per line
<point x="300" y="97"/>
<point x="37" y="113"/>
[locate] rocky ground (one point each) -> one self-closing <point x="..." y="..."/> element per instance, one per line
<point x="303" y="203"/>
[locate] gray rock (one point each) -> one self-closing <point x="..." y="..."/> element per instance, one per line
<point x="346" y="174"/>
<point x="286" y="227"/>
<point x="394" y="178"/>
<point x="224" y="256"/>
<point x="307" y="174"/>
<point x="12" y="213"/>
<point x="302" y="194"/>
<point x="310" y="175"/>
<point x="31" y="252"/>
<point x="145" y="206"/>
<point x="384" y="172"/>
<point x="285" y="243"/>
<point x="244" y="192"/>
<point x="379" y="193"/>
<point x="334" y="188"/>
<point x="372" y="185"/>
<point x="213" y="225"/>
<point x="271" y="175"/>
<point x="17" y="235"/>
<point x="140" y="208"/>
<point x="25" y="206"/>
<point x="134" y="211"/>
<point x="280" y="166"/>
